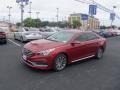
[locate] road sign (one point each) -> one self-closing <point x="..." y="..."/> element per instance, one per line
<point x="18" y="1"/>
<point x="92" y="10"/>
<point x="84" y="16"/>
<point x="112" y="16"/>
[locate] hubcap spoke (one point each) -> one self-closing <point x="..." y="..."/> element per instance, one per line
<point x="61" y="62"/>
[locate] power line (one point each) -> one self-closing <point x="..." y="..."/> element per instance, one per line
<point x="99" y="6"/>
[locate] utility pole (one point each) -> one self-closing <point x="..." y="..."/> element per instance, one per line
<point x="9" y="15"/>
<point x="22" y="12"/>
<point x="37" y="14"/>
<point x="113" y="16"/>
<point x="22" y="4"/>
<point x="30" y="8"/>
<point x="57" y="15"/>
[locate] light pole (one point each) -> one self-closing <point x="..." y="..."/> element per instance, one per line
<point x="9" y="15"/>
<point x="37" y="13"/>
<point x="22" y="4"/>
<point x="30" y="9"/>
<point x="57" y="15"/>
<point x="113" y="15"/>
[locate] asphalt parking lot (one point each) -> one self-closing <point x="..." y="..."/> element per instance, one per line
<point x="90" y="74"/>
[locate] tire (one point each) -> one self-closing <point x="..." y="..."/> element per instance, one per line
<point x="21" y="39"/>
<point x="5" y="42"/>
<point x="60" y="62"/>
<point x="15" y="37"/>
<point x="99" y="53"/>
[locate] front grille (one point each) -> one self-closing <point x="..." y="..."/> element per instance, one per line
<point x="27" y="52"/>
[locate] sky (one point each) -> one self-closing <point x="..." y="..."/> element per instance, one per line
<point x="47" y="9"/>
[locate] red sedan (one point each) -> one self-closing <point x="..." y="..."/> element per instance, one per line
<point x="63" y="48"/>
<point x="3" y="38"/>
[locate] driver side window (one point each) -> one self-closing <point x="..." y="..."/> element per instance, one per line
<point x="82" y="38"/>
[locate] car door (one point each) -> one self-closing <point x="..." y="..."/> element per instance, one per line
<point x="92" y="44"/>
<point x="79" y="48"/>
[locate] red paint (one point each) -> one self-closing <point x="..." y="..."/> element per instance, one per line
<point x="74" y="51"/>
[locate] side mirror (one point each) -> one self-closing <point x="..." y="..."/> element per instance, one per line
<point x="75" y="42"/>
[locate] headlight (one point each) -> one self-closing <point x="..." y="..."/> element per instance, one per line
<point x="46" y="52"/>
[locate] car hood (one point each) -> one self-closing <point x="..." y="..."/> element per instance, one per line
<point x="40" y="45"/>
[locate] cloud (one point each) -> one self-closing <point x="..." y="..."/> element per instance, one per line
<point x="47" y="9"/>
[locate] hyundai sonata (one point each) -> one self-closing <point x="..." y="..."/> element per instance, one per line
<point x="63" y="48"/>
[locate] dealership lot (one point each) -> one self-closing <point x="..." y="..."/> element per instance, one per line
<point x="85" y="75"/>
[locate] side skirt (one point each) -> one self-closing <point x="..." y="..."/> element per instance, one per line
<point x="83" y="58"/>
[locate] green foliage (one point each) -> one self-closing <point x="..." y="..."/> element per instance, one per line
<point x="28" y="22"/>
<point x="76" y="24"/>
<point x="18" y="24"/>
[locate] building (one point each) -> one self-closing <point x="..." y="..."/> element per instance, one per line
<point x="88" y="22"/>
<point x="7" y="27"/>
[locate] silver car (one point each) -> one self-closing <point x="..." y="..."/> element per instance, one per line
<point x="47" y="32"/>
<point x="27" y="34"/>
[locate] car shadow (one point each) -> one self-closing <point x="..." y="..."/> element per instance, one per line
<point x="82" y="62"/>
<point x="69" y="66"/>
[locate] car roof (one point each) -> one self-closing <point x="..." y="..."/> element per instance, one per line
<point x="77" y="31"/>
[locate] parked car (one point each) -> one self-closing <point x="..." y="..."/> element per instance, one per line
<point x="104" y="33"/>
<point x="63" y="48"/>
<point x="47" y="32"/>
<point x="117" y="32"/>
<point x="27" y="34"/>
<point x="3" y="38"/>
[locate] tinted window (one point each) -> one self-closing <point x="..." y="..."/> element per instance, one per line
<point x="92" y="36"/>
<point x="82" y="37"/>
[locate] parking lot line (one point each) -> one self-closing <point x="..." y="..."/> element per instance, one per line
<point x="14" y="42"/>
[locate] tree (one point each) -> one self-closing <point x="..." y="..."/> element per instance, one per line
<point x="103" y="27"/>
<point x="44" y="23"/>
<point x="18" y="24"/>
<point x="76" y="24"/>
<point x="28" y="22"/>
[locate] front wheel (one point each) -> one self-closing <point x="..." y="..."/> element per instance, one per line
<point x="99" y="53"/>
<point x="5" y="42"/>
<point x="21" y="39"/>
<point x="60" y="62"/>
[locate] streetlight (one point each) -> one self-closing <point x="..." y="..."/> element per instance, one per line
<point x="113" y="15"/>
<point x="9" y="15"/>
<point x="30" y="9"/>
<point x="57" y="15"/>
<point x="22" y="4"/>
<point x="37" y="13"/>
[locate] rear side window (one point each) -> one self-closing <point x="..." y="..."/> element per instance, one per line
<point x="82" y="37"/>
<point x="87" y="36"/>
<point x="92" y="36"/>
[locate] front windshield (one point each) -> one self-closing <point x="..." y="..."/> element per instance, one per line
<point x="61" y="36"/>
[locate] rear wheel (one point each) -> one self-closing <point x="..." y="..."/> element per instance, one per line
<point x="99" y="53"/>
<point x="5" y="42"/>
<point x="60" y="62"/>
<point x="15" y="37"/>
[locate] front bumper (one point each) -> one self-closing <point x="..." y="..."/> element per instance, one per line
<point x="2" y="39"/>
<point x="37" y="64"/>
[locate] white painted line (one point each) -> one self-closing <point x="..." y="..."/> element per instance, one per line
<point x="14" y="42"/>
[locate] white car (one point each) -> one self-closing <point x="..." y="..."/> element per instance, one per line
<point x="27" y="34"/>
<point x="118" y="32"/>
<point x="47" y="32"/>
